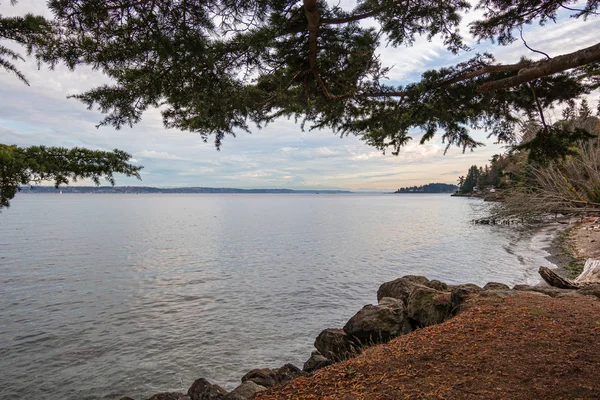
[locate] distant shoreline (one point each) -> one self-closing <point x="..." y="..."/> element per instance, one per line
<point x="154" y="190"/>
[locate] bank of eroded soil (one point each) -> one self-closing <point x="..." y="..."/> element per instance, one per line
<point x="521" y="347"/>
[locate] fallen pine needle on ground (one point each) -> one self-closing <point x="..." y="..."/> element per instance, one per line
<point x="523" y="347"/>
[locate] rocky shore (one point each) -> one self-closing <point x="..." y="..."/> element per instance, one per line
<point x="406" y="304"/>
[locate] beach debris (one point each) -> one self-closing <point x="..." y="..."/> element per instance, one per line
<point x="589" y="277"/>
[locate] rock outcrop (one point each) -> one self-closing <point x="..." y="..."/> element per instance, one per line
<point x="401" y="288"/>
<point x="335" y="345"/>
<point x="247" y="390"/>
<point x="495" y="286"/>
<point x="270" y="377"/>
<point x="461" y="293"/>
<point x="405" y="304"/>
<point x="202" y="389"/>
<point x="315" y="362"/>
<point x="428" y="306"/>
<point x="437" y="285"/>
<point x="378" y="324"/>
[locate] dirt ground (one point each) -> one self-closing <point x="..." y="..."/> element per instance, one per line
<point x="585" y="238"/>
<point x="522" y="347"/>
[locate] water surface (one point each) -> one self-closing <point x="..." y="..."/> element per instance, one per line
<point x="103" y="296"/>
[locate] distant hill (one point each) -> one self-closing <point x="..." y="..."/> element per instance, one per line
<point x="429" y="188"/>
<point x="148" y="189"/>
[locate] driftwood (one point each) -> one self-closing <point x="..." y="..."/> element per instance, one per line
<point x="589" y="277"/>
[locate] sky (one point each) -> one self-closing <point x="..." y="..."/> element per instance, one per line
<point x="280" y="155"/>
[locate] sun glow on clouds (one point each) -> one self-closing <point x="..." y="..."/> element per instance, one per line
<point x="280" y="155"/>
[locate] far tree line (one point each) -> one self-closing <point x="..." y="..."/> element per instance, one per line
<point x="429" y="188"/>
<point x="219" y="68"/>
<point x="530" y="185"/>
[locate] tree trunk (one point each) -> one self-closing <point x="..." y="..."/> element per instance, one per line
<point x="589" y="276"/>
<point x="553" y="279"/>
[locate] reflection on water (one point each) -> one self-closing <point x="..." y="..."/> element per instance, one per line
<point x="111" y="295"/>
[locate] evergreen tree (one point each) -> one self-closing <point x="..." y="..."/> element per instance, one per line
<point x="471" y="180"/>
<point x="217" y="66"/>
<point x="35" y="164"/>
<point x="214" y="67"/>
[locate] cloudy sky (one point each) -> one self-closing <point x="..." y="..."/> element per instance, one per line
<point x="278" y="156"/>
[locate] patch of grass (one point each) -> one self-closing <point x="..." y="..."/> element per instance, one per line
<point x="575" y="268"/>
<point x="536" y="312"/>
<point x="350" y="372"/>
<point x="571" y="264"/>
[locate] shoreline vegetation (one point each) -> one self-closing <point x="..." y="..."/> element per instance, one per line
<point x="427" y="339"/>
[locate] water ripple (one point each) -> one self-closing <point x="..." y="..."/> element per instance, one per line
<point x="105" y="296"/>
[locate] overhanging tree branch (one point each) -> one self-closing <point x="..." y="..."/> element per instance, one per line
<point x="545" y="68"/>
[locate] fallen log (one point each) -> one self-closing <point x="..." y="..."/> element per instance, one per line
<point x="591" y="272"/>
<point x="589" y="277"/>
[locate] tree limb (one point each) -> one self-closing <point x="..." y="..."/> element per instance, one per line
<point x="545" y="68"/>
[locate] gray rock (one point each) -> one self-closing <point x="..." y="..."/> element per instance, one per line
<point x="335" y="345"/>
<point x="125" y="398"/>
<point x="495" y="286"/>
<point x="170" y="396"/>
<point x="437" y="285"/>
<point x="261" y="376"/>
<point x="270" y="377"/>
<point x="247" y="390"/>
<point x="391" y="302"/>
<point x="469" y="286"/>
<point x="462" y="293"/>
<point x="420" y="279"/>
<point x="401" y="288"/>
<point x="315" y="362"/>
<point x="428" y="306"/>
<point x="202" y="389"/>
<point x="378" y="324"/>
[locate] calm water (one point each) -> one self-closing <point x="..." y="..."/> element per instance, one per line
<point x="103" y="296"/>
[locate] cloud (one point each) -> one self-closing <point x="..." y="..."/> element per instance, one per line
<point x="280" y="155"/>
<point x="161" y="155"/>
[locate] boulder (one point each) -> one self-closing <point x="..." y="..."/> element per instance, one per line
<point x="170" y="396"/>
<point x="247" y="390"/>
<point x="202" y="389"/>
<point x="428" y="306"/>
<point x="315" y="362"/>
<point x="400" y="288"/>
<point x="270" y="377"/>
<point x="261" y="376"/>
<point x="335" y="345"/>
<point x="468" y="286"/>
<point x="495" y="286"/>
<point x="378" y="324"/>
<point x="391" y="302"/>
<point x="125" y="398"/>
<point x="462" y="293"/>
<point x="437" y="285"/>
